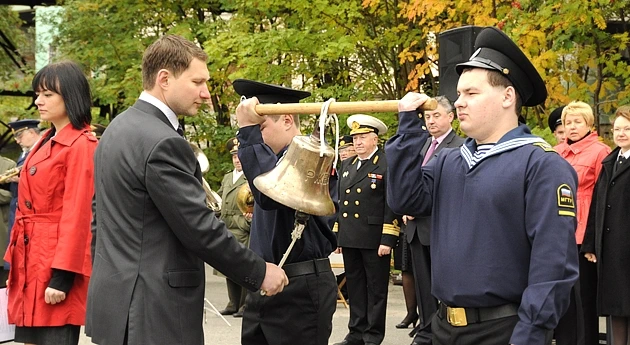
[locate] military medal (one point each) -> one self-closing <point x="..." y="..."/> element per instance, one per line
<point x="374" y="177"/>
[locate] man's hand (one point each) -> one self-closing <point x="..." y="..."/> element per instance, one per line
<point x="246" y="113"/>
<point x="13" y="179"/>
<point x="590" y="257"/>
<point x="405" y="218"/>
<point x="54" y="296"/>
<point x="338" y="250"/>
<point x="275" y="280"/>
<point x="412" y="101"/>
<point x="384" y="250"/>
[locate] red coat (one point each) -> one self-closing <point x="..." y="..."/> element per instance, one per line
<point x="52" y="229"/>
<point x="585" y="157"/>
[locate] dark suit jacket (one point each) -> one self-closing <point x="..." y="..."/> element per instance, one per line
<point x="365" y="220"/>
<point x="153" y="234"/>
<point x="421" y="226"/>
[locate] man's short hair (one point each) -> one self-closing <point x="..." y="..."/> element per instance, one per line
<point x="495" y="78"/>
<point x="170" y="52"/>
<point x="296" y="119"/>
<point x="445" y="103"/>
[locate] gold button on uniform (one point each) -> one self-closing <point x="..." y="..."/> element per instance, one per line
<point x="345" y="202"/>
<point x="358" y="190"/>
<point x="356" y="202"/>
<point x="345" y="215"/>
<point x="356" y="215"/>
<point x="347" y="191"/>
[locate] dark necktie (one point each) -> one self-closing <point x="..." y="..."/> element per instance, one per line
<point x="620" y="162"/>
<point x="180" y="130"/>
<point x="361" y="162"/>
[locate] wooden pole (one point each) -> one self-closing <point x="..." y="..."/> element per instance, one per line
<point x="337" y="107"/>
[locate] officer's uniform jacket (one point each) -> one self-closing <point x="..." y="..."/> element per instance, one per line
<point x="231" y="215"/>
<point x="502" y="228"/>
<point x="365" y="221"/>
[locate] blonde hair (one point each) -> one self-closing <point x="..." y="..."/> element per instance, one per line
<point x="623" y="111"/>
<point x="579" y="108"/>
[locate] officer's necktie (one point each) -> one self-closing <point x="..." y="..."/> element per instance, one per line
<point x="430" y="151"/>
<point x="180" y="130"/>
<point x="621" y="161"/>
<point x="361" y="161"/>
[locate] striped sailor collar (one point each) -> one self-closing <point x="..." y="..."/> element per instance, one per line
<point x="519" y="136"/>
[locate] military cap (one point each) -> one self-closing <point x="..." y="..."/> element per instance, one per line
<point x="232" y="145"/>
<point x="345" y="141"/>
<point x="555" y="118"/>
<point x="268" y="93"/>
<point x="22" y="125"/>
<point x="97" y="130"/>
<point x="361" y="124"/>
<point x="496" y="51"/>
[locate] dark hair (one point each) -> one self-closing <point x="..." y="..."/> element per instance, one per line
<point x="68" y="80"/>
<point x="170" y="52"/>
<point x="495" y="78"/>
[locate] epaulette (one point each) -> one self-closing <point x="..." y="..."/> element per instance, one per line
<point x="545" y="146"/>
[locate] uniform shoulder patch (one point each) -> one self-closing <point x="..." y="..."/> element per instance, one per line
<point x="545" y="146"/>
<point x="566" y="200"/>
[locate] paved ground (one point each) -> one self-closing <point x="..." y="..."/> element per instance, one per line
<point x="217" y="332"/>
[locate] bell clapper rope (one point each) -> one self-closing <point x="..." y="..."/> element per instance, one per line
<point x="300" y="223"/>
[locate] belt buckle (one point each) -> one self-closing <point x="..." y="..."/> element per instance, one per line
<point x="456" y="317"/>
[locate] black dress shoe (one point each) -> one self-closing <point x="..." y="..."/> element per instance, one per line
<point x="238" y="314"/>
<point x="227" y="312"/>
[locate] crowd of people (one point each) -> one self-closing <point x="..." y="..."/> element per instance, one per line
<point x="500" y="237"/>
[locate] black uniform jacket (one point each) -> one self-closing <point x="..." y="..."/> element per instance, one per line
<point x="365" y="220"/>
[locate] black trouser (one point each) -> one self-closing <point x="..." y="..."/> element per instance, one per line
<point x="588" y="293"/>
<point x="492" y="332"/>
<point x="236" y="294"/>
<point x="300" y="315"/>
<point x="570" y="329"/>
<point x="367" y="278"/>
<point x="427" y="304"/>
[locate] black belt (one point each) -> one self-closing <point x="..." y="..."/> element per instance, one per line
<point x="307" y="267"/>
<point x="463" y="316"/>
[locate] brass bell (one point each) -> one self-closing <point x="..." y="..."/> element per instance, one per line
<point x="245" y="199"/>
<point x="300" y="179"/>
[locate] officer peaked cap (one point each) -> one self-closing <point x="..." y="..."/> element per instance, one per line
<point x="232" y="145"/>
<point x="21" y="125"/>
<point x="496" y="51"/>
<point x="345" y="141"/>
<point x="268" y="93"/>
<point x="361" y="124"/>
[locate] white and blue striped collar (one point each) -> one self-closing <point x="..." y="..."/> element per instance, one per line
<point x="519" y="136"/>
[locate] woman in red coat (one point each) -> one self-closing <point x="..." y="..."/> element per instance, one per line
<point x="49" y="250"/>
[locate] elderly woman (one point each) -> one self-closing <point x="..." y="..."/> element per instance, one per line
<point x="49" y="250"/>
<point x="607" y="237"/>
<point x="583" y="150"/>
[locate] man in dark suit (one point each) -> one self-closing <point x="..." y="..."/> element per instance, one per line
<point x="154" y="231"/>
<point x="367" y="232"/>
<point x="439" y="125"/>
